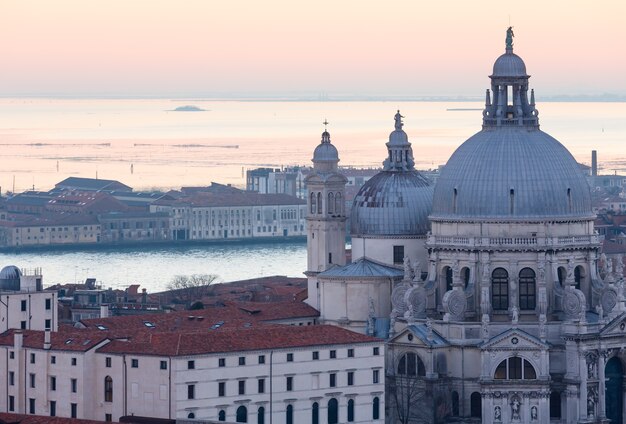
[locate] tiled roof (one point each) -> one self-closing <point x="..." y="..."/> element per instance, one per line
<point x="39" y="419"/>
<point x="247" y="339"/>
<point x="232" y="315"/>
<point x="66" y="339"/>
<point x="362" y="268"/>
<point x="244" y="198"/>
<point x="92" y="184"/>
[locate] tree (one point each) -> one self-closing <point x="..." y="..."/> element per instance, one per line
<point x="191" y="288"/>
<point x="414" y="398"/>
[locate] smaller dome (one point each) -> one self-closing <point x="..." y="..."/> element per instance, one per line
<point x="325" y="152"/>
<point x="10" y="278"/>
<point x="10" y="272"/>
<point x="509" y="65"/>
<point x="392" y="204"/>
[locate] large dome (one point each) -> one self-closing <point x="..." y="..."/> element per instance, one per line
<point x="397" y="200"/>
<point x="392" y="203"/>
<point x="325" y="151"/>
<point x="511" y="172"/>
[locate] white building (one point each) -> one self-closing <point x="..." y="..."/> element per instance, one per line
<point x="23" y="303"/>
<point x="320" y="374"/>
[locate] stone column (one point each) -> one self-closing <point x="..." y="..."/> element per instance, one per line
<point x="582" y="406"/>
<point x="601" y="383"/>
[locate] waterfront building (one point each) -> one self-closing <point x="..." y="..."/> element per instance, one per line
<point x="91" y="184"/>
<point x="238" y="215"/>
<point x="269" y="180"/>
<point x="59" y="229"/>
<point x="134" y="227"/>
<point x="23" y="303"/>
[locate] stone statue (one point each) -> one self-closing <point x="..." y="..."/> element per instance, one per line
<point x="408" y="315"/>
<point x="515" y="407"/>
<point x="407" y="269"/>
<point x="398" y="119"/>
<point x="609" y="266"/>
<point x="600" y="312"/>
<point x="456" y="270"/>
<point x="570" y="270"/>
<point x="485" y="326"/>
<point x="603" y="260"/>
<point x="514" y="315"/>
<point x="509" y="38"/>
<point x="429" y="328"/>
<point x="590" y="368"/>
<point x="417" y="271"/>
<point x="619" y="267"/>
<point x="371" y="318"/>
<point x="533" y="413"/>
<point x="497" y="414"/>
<point x="591" y="407"/>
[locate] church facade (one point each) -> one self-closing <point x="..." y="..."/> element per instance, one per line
<point x="490" y="287"/>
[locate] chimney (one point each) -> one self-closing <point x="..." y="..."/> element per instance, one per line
<point x="594" y="163"/>
<point x="18" y="340"/>
<point x="46" y="340"/>
<point x="104" y="311"/>
<point x="144" y="296"/>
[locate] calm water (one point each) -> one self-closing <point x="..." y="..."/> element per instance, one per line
<point x="43" y="141"/>
<point x="154" y="267"/>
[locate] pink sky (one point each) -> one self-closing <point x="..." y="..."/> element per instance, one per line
<point x="206" y="47"/>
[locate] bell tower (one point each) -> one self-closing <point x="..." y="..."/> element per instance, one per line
<point x="326" y="215"/>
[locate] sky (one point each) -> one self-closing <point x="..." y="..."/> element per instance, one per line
<point x="200" y="48"/>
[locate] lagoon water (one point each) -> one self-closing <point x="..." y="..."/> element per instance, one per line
<point x="145" y="144"/>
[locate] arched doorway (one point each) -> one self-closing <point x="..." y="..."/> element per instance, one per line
<point x="614" y="374"/>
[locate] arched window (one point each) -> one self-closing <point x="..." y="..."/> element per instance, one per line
<point x="455" y="404"/>
<point x="313" y="206"/>
<point x="465" y="276"/>
<point x="331" y="203"/>
<point x="242" y="414"/>
<point x="260" y="415"/>
<point x="515" y="368"/>
<point x="476" y="409"/>
<point x="555" y="405"/>
<point x="527" y="294"/>
<point x="191" y="415"/>
<point x="338" y="205"/>
<point x="221" y="416"/>
<point x="447" y="271"/>
<point x="579" y="274"/>
<point x="315" y="413"/>
<point x="289" y="414"/>
<point x="319" y="202"/>
<point x="500" y="289"/>
<point x="562" y="273"/>
<point x="351" y="410"/>
<point x="376" y="409"/>
<point x="410" y="364"/>
<point x="333" y="411"/>
<point x="108" y="389"/>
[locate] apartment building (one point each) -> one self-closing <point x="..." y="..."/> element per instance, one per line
<point x="258" y="373"/>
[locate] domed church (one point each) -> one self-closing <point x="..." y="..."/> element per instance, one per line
<point x="389" y="222"/>
<point x="517" y="316"/>
<point x="519" y="319"/>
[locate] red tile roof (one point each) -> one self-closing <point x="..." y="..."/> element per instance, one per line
<point x="66" y="339"/>
<point x="246" y="339"/>
<point x="38" y="419"/>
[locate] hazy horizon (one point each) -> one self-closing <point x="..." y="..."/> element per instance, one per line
<point x="196" y="48"/>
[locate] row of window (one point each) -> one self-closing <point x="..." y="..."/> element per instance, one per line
<point x="241" y="415"/>
<point x="32" y="379"/>
<point x="513" y="368"/>
<point x="334" y="205"/>
<point x="289" y="384"/>
<point x="24" y="304"/>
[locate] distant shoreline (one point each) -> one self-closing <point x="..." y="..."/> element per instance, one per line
<point x="609" y="98"/>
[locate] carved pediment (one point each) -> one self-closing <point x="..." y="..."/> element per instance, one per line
<point x="514" y="339"/>
<point x="419" y="335"/>
<point x="617" y="327"/>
